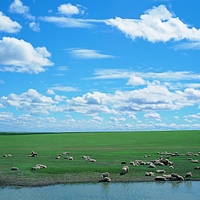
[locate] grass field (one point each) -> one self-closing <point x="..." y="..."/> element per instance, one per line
<point x="109" y="149"/>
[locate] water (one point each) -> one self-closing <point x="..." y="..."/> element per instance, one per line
<point x="189" y="190"/>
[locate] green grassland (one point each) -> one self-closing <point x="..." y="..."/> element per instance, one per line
<point x="109" y="149"/>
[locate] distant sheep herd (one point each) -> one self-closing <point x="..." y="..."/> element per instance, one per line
<point x="125" y="169"/>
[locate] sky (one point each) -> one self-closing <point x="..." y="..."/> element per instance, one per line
<point x="123" y="65"/>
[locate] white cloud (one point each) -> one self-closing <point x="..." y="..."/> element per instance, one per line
<point x="176" y="117"/>
<point x="126" y="74"/>
<point x="18" y="7"/>
<point x="68" y="9"/>
<point x="88" y="54"/>
<point x="59" y="98"/>
<point x="63" y="68"/>
<point x="20" y="56"/>
<point x="30" y="101"/>
<point x="96" y="120"/>
<point x="35" y="26"/>
<point x="157" y="24"/>
<point x="116" y="121"/>
<point x="7" y="25"/>
<point x="133" y="117"/>
<point x="49" y="91"/>
<point x="64" y="89"/>
<point x="188" y="45"/>
<point x="135" y="80"/>
<point x="152" y="115"/>
<point x="65" y="22"/>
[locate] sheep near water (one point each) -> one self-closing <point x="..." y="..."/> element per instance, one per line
<point x="170" y="177"/>
<point x="149" y="174"/>
<point x="106" y="179"/>
<point x="125" y="170"/>
<point x="105" y="174"/>
<point x="188" y="175"/>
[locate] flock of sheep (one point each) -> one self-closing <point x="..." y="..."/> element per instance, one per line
<point x="125" y="169"/>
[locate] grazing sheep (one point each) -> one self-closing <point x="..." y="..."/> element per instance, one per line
<point x="14" y="168"/>
<point x="177" y="177"/>
<point x="34" y="154"/>
<point x="39" y="166"/>
<point x="86" y="157"/>
<point x="57" y="157"/>
<point x="123" y="162"/>
<point x="160" y="171"/>
<point x="171" y="166"/>
<point x="65" y="153"/>
<point x="168" y="177"/>
<point x="105" y="174"/>
<point x="194" y="161"/>
<point x="159" y="163"/>
<point x="106" y="179"/>
<point x="69" y="158"/>
<point x="188" y="175"/>
<point x="149" y="174"/>
<point x="189" y="153"/>
<point x="9" y="155"/>
<point x="160" y="178"/>
<point x="93" y="160"/>
<point x="151" y="166"/>
<point x="195" y="154"/>
<point x="125" y="170"/>
<point x="5" y="156"/>
<point x="197" y="167"/>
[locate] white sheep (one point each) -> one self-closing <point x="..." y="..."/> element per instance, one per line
<point x="105" y="174"/>
<point x="125" y="169"/>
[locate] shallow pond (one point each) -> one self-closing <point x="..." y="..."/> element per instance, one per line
<point x="143" y="190"/>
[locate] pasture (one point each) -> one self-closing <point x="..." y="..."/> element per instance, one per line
<point x="109" y="149"/>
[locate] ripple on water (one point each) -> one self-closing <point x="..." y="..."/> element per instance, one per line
<point x="111" y="191"/>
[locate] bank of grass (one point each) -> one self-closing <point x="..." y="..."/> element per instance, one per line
<point x="109" y="149"/>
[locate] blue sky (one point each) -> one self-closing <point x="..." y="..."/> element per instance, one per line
<point x="99" y="66"/>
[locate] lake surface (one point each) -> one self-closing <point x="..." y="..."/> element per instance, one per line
<point x="189" y="190"/>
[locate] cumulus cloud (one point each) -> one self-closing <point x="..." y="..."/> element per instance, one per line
<point x="7" y="25"/>
<point x="153" y="115"/>
<point x="49" y="91"/>
<point x="133" y="117"/>
<point x="135" y="80"/>
<point x="68" y="9"/>
<point x="96" y="120"/>
<point x="30" y="101"/>
<point x="156" y="25"/>
<point x="35" y="26"/>
<point x="18" y="7"/>
<point x="60" y="98"/>
<point x="88" y="54"/>
<point x="20" y="56"/>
